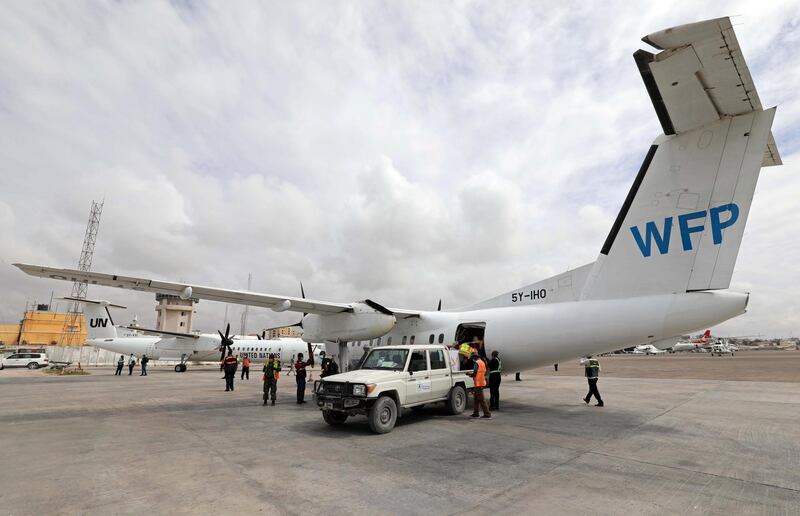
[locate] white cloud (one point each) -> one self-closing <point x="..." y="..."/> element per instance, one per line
<point x="402" y="152"/>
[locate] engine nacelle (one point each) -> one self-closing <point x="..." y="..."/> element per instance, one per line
<point x="364" y="323"/>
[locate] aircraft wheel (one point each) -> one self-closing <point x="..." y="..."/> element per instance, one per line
<point x="180" y="368"/>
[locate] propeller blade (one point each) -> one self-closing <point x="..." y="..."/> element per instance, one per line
<point x="303" y="295"/>
<point x="439" y="308"/>
<point x="375" y="306"/>
<point x="264" y="335"/>
<point x="227" y="331"/>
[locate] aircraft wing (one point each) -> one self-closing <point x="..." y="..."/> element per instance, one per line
<point x="699" y="77"/>
<point x="187" y="290"/>
<point x="278" y="303"/>
<point x="161" y="332"/>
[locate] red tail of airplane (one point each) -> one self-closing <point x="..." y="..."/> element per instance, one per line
<point x="705" y="338"/>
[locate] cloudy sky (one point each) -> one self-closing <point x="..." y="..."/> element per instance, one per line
<point x="402" y="151"/>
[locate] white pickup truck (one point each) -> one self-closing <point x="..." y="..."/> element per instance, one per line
<point x="389" y="379"/>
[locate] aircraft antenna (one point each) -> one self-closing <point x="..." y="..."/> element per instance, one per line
<point x="71" y="331"/>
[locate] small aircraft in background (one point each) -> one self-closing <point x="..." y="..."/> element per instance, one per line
<point x="183" y="347"/>
<point x="698" y="345"/>
<point x="647" y="349"/>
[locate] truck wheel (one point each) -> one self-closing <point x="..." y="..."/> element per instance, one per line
<point x="383" y="415"/>
<point x="334" y="418"/>
<point x="457" y="400"/>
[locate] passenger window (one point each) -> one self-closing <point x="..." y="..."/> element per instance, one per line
<point x="441" y="338"/>
<point x="430" y="339"/>
<point x="418" y="362"/>
<point x="437" y="359"/>
<point x="412" y="339"/>
<point x="404" y="339"/>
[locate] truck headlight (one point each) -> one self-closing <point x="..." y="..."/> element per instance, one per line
<point x="359" y="390"/>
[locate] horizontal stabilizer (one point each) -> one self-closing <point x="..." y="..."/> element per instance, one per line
<point x="699" y="77"/>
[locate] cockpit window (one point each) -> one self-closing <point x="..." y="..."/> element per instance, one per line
<point x="388" y="359"/>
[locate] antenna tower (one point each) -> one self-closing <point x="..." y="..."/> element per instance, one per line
<point x="71" y="332"/>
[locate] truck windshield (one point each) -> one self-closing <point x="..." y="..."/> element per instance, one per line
<point x="390" y="359"/>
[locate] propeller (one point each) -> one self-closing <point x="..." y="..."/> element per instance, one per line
<point x="379" y="308"/>
<point x="227" y="342"/>
<point x="263" y="335"/>
<point x="439" y="308"/>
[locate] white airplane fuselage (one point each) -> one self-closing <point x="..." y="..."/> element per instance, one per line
<point x="537" y="335"/>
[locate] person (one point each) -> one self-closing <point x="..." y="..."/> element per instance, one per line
<point x="479" y="378"/>
<point x="465" y="352"/>
<point x="131" y="364"/>
<point x="592" y="369"/>
<point x="291" y="367"/>
<point x="495" y="368"/>
<point x="120" y="365"/>
<point x="272" y="371"/>
<point x="300" y="376"/>
<point x="478" y="344"/>
<point x="144" y="362"/>
<point x="330" y="368"/>
<point x="245" y="367"/>
<point x="230" y="364"/>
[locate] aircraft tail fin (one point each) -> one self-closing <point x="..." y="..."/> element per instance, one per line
<point x="682" y="222"/>
<point x="99" y="324"/>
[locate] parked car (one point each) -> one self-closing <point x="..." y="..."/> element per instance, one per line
<point x="29" y="360"/>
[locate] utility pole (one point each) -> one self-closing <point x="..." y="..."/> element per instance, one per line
<point x="71" y="331"/>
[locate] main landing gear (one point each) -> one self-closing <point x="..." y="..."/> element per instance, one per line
<point x="181" y="368"/>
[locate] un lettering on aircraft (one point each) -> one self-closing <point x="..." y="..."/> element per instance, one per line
<point x="96" y="323"/>
<point x="687" y="224"/>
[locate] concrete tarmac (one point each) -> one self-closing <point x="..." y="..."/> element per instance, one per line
<point x="177" y="443"/>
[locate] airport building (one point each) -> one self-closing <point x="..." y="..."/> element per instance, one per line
<point x="41" y="327"/>
<point x="174" y="314"/>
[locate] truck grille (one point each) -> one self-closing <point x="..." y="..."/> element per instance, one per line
<point x="334" y="388"/>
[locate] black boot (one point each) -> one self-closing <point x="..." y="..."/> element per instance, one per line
<point x="517" y="378"/>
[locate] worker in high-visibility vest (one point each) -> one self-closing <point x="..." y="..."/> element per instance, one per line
<point x="479" y="379"/>
<point x="592" y="371"/>
<point x="229" y="365"/>
<point x="495" y="368"/>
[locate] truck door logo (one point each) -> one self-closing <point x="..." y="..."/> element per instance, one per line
<point x="688" y="223"/>
<point x="98" y="322"/>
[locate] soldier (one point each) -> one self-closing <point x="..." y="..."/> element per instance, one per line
<point x="230" y="364"/>
<point x="271" y="370"/>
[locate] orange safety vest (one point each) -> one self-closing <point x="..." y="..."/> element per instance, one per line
<point x="480" y="375"/>
<point x="230" y="360"/>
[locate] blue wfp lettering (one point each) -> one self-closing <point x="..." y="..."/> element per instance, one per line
<point x="662" y="238"/>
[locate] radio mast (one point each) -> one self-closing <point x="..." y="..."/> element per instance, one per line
<point x="72" y="328"/>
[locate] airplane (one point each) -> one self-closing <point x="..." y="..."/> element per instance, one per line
<point x="647" y="349"/>
<point x="701" y="344"/>
<point x="664" y="269"/>
<point x="183" y="347"/>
